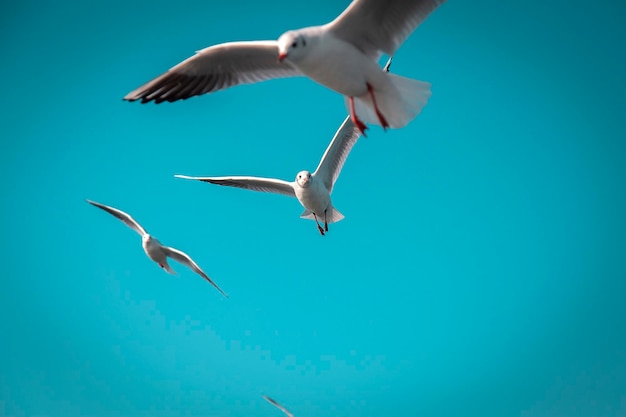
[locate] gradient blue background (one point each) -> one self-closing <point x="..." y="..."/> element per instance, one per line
<point x="480" y="269"/>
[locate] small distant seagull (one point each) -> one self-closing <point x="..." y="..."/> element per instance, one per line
<point x="154" y="249"/>
<point x="312" y="190"/>
<point x="280" y="407"/>
<point x="341" y="55"/>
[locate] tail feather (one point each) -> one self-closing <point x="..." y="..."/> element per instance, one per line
<point x="399" y="105"/>
<point x="167" y="268"/>
<point x="332" y="215"/>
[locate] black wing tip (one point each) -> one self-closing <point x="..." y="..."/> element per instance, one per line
<point x="143" y="95"/>
<point x="143" y="99"/>
<point x="137" y="95"/>
<point x="172" y="87"/>
<point x="213" y="181"/>
<point x="187" y="177"/>
<point x="388" y="64"/>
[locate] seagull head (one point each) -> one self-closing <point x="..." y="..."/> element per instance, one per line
<point x="291" y="45"/>
<point x="303" y="179"/>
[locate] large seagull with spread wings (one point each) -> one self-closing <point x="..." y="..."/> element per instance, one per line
<point x="341" y="55"/>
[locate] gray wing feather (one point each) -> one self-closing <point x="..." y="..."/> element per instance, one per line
<point x="266" y="185"/>
<point x="125" y="217"/>
<point x="216" y="68"/>
<point x="381" y="25"/>
<point x="185" y="259"/>
<point x="331" y="163"/>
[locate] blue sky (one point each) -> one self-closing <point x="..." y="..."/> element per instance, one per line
<point x="479" y="271"/>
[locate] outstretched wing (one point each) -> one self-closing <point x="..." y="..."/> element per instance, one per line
<point x="184" y="259"/>
<point x="331" y="163"/>
<point x="337" y="152"/>
<point x="216" y="68"/>
<point x="280" y="407"/>
<point x="381" y="25"/>
<point x="266" y="185"/>
<point x="125" y="217"/>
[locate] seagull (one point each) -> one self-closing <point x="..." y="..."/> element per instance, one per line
<point x="154" y="249"/>
<point x="341" y="55"/>
<point x="312" y="190"/>
<point x="280" y="407"/>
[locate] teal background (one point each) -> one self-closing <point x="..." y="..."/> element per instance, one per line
<point x="480" y="269"/>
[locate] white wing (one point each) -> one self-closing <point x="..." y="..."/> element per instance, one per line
<point x="266" y="185"/>
<point x="215" y="68"/>
<point x="381" y="25"/>
<point x="280" y="407"/>
<point x="184" y="259"/>
<point x="330" y="166"/>
<point x="337" y="152"/>
<point x="125" y="217"/>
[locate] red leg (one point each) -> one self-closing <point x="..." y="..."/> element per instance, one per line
<point x="358" y="123"/>
<point x="381" y="118"/>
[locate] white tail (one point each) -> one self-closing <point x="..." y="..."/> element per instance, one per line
<point x="167" y="267"/>
<point x="399" y="105"/>
<point x="332" y="216"/>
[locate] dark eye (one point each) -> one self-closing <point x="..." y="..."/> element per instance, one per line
<point x="294" y="44"/>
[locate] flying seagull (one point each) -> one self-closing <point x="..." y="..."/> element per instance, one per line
<point x="154" y="249"/>
<point x="341" y="55"/>
<point x="280" y="407"/>
<point x="312" y="190"/>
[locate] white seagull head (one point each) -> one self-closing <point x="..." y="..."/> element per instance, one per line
<point x="303" y="179"/>
<point x="292" y="45"/>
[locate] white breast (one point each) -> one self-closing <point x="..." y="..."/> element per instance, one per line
<point x="340" y="66"/>
<point x="315" y="197"/>
<point x="152" y="247"/>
